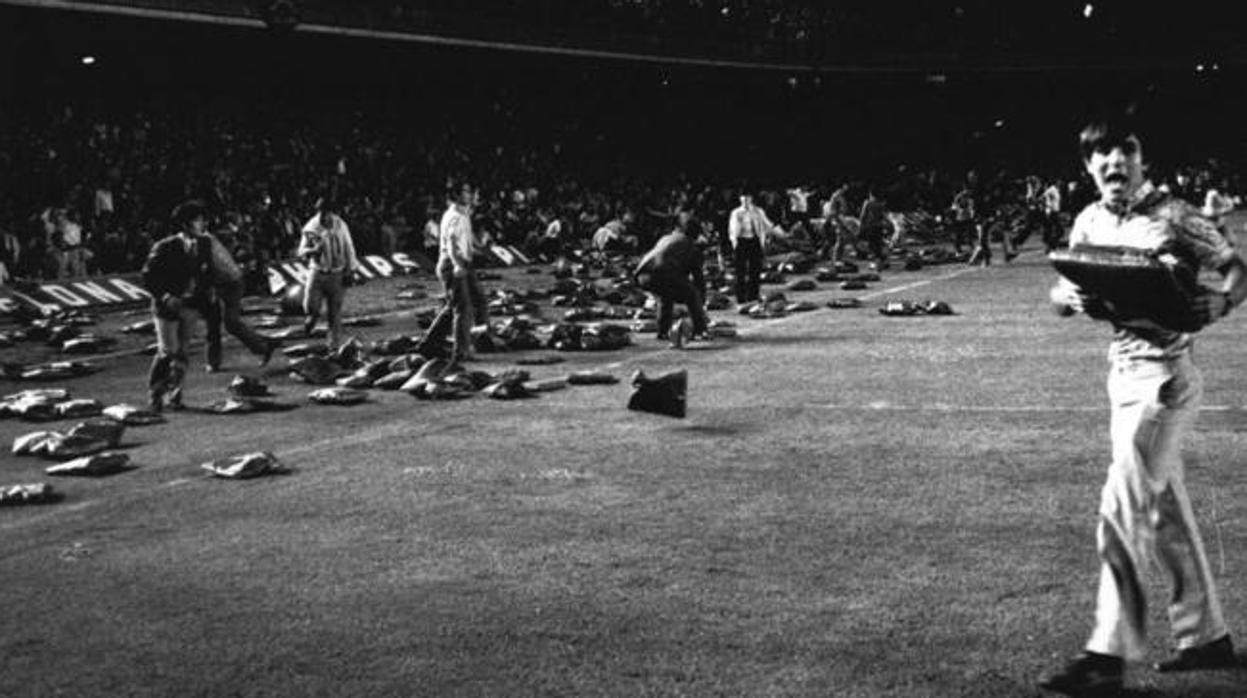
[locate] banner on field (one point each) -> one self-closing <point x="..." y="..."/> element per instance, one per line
<point x="126" y="291"/>
<point x="47" y="297"/>
<point x="370" y="266"/>
<point x="508" y="255"/>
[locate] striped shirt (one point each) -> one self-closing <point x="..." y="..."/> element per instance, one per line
<point x="1150" y="221"/>
<point x="330" y="249"/>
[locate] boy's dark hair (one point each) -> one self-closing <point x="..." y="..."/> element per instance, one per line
<point x="188" y="211"/>
<point x="1105" y="133"/>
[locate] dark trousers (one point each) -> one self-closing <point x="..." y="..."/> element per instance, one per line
<point x="672" y="289"/>
<point x="328" y="289"/>
<point x="964" y="233"/>
<point x="227" y="311"/>
<point x="874" y="236"/>
<point x="465" y="306"/>
<point x="748" y="264"/>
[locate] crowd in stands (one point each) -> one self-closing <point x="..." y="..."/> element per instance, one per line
<point x="87" y="190"/>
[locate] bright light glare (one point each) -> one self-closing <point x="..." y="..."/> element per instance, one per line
<point x="88" y="60"/>
<point x="1087" y="10"/>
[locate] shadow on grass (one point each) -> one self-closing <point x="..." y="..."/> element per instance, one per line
<point x="810" y="339"/>
<point x="711" y="346"/>
<point x="716" y="430"/>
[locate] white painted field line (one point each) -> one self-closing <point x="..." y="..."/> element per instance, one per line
<point x="1012" y="409"/>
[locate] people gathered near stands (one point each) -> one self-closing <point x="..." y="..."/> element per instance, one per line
<point x="96" y="185"/>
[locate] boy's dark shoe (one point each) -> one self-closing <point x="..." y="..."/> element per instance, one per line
<point x="1088" y="674"/>
<point x="1218" y="654"/>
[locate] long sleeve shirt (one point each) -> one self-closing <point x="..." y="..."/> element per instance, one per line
<point x="456" y="242"/>
<point x="178" y="265"/>
<point x="1149" y="222"/>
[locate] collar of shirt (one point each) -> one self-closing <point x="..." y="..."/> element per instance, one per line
<point x="1145" y="196"/>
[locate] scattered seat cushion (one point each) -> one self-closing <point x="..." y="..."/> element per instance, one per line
<point x="248" y="405"/>
<point x="359" y="379"/>
<point x="295" y="351"/>
<point x="106" y="429"/>
<point x="246" y="465"/>
<point x="506" y="390"/>
<point x="74" y="409"/>
<point x="133" y="416"/>
<point x="53" y="394"/>
<point x="910" y="308"/>
<point x="937" y="308"/>
<point x="56" y="370"/>
<point x="30" y="444"/>
<point x="31" y="493"/>
<point x="350" y="354"/>
<point x="407" y="362"/>
<point x="605" y="337"/>
<point x="35" y="410"/>
<point x="337" y="396"/>
<point x="248" y="386"/>
<point x="315" y="370"/>
<point x="107" y="463"/>
<point x="73" y="446"/>
<point x="393" y="380"/>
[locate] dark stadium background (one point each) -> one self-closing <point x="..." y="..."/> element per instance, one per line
<point x="834" y="113"/>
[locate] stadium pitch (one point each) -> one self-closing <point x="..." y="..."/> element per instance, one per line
<point x="856" y="505"/>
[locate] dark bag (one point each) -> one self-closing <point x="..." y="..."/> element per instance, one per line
<point x="665" y="395"/>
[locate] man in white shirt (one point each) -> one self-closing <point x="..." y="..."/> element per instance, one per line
<point x="465" y="299"/>
<point x="748" y="228"/>
<point x="327" y="248"/>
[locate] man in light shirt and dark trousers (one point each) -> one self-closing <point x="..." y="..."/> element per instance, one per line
<point x="327" y="248"/>
<point x="747" y="228"/>
<point x="465" y="299"/>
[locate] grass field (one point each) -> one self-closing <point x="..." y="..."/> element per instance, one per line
<point x="856" y="505"/>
